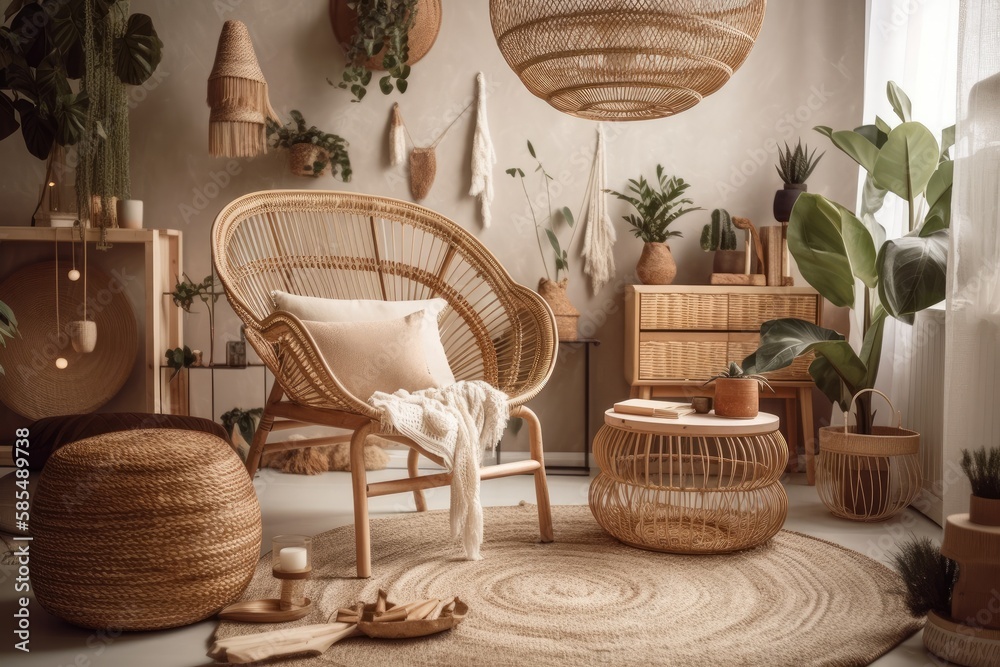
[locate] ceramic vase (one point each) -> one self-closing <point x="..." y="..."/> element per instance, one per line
<point x="130" y="213"/>
<point x="784" y="200"/>
<point x="83" y="335"/>
<point x="656" y="265"/>
<point x="567" y="316"/>
<point x="736" y="398"/>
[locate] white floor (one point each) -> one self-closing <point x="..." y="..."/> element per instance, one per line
<point x="311" y="505"/>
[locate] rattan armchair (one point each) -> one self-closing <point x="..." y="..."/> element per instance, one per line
<point x="351" y="246"/>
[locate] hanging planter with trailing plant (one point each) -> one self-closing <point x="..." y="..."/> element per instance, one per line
<point x="386" y="35"/>
<point x="311" y="152"/>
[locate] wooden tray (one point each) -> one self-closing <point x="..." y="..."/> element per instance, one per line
<point x="265" y="611"/>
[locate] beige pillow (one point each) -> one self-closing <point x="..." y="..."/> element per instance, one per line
<point x="375" y="356"/>
<point x="316" y="309"/>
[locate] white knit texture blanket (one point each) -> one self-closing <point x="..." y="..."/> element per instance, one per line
<point x="459" y="423"/>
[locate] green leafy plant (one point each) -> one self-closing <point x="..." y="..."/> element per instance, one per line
<point x="42" y="55"/>
<point x="836" y="250"/>
<point x="547" y="224"/>
<point x="184" y="294"/>
<point x="179" y="358"/>
<point x="245" y="420"/>
<point x="982" y="467"/>
<point x="796" y="164"/>
<point x="8" y="326"/>
<point x="383" y="27"/>
<point x="657" y="206"/>
<point x="929" y="577"/>
<point x="734" y="372"/>
<point x="719" y="234"/>
<point x="333" y="148"/>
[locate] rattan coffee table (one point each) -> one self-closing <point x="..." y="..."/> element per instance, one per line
<point x="700" y="484"/>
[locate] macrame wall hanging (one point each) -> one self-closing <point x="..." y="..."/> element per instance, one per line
<point x="237" y="95"/>
<point x="599" y="238"/>
<point x="483" y="156"/>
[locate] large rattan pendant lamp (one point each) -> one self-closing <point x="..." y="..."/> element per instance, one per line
<point x="625" y="59"/>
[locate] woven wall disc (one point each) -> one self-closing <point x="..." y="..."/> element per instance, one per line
<point x="32" y="386"/>
<point x="422" y="35"/>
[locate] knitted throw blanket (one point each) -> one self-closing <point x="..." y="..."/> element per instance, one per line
<point x="458" y="423"/>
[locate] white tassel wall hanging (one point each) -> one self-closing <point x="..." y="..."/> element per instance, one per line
<point x="483" y="156"/>
<point x="599" y="238"/>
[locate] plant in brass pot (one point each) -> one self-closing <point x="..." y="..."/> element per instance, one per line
<point x="8" y="326"/>
<point x="719" y="236"/>
<point x="310" y="150"/>
<point x="795" y="165"/>
<point x="657" y="206"/>
<point x="737" y="393"/>
<point x="551" y="287"/>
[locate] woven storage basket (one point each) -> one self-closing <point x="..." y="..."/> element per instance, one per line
<point x="961" y="644"/>
<point x="143" y="530"/>
<point x="868" y="477"/>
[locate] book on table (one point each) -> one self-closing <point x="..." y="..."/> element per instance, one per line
<point x="650" y="408"/>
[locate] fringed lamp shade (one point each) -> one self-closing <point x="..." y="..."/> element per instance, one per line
<point x="625" y="59"/>
<point x="237" y="95"/>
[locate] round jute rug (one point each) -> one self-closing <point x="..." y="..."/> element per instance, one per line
<point x="586" y="599"/>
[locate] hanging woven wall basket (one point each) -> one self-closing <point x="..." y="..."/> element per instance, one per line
<point x="422" y="35"/>
<point x="628" y="60"/>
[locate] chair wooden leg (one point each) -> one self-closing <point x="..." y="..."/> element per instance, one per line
<point x="541" y="485"/>
<point x="359" y="480"/>
<point x="412" y="461"/>
<point x="263" y="430"/>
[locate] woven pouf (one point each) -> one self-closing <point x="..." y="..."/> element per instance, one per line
<point x="143" y="530"/>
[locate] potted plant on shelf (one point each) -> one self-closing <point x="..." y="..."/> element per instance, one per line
<point x="737" y="393"/>
<point x="658" y="206"/>
<point x="719" y="236"/>
<point x="310" y="150"/>
<point x="794" y="166"/>
<point x="184" y="294"/>
<point x="388" y="35"/>
<point x="982" y="467"/>
<point x="551" y="288"/>
<point x="8" y="326"/>
<point x="178" y="359"/>
<point x="241" y="425"/>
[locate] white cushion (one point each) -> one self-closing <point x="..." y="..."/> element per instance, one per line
<point x="316" y="309"/>
<point x="385" y="355"/>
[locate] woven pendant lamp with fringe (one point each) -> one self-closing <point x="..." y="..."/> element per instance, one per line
<point x="625" y="60"/>
<point x="237" y="95"/>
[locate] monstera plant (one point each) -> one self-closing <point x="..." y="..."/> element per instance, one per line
<point x="848" y="260"/>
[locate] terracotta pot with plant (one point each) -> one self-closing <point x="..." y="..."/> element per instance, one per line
<point x="552" y="289"/>
<point x="719" y="236"/>
<point x="737" y="394"/>
<point x="311" y="151"/>
<point x="657" y="207"/>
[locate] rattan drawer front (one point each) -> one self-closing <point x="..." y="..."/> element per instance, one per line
<point x="748" y="311"/>
<point x="677" y="311"/>
<point x="662" y="357"/>
<point x="742" y="346"/>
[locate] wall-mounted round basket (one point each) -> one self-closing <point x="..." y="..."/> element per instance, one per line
<point x="423" y="33"/>
<point x="868" y="477"/>
<point x="32" y="386"/>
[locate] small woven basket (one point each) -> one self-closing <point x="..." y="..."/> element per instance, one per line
<point x="868" y="477"/>
<point x="143" y="530"/>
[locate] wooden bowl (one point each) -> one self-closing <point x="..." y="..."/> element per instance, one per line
<point x="410" y="629"/>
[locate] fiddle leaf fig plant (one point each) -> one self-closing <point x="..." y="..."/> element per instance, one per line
<point x="848" y="260"/>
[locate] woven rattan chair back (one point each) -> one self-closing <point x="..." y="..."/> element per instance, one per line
<point x="350" y="246"/>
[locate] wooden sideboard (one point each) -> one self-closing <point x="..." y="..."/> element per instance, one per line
<point x="678" y="336"/>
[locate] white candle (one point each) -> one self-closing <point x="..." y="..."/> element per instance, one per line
<point x="293" y="559"/>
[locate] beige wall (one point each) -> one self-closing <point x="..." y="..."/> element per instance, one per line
<point x="806" y="69"/>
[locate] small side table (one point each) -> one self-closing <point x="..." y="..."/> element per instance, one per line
<point x="699" y="484"/>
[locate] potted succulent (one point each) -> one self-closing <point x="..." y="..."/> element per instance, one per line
<point x="551" y="288"/>
<point x="794" y="166"/>
<point x="657" y="206"/>
<point x="982" y="467"/>
<point x="719" y="236"/>
<point x="388" y="35"/>
<point x="8" y="326"/>
<point x="310" y="150"/>
<point x="737" y="393"/>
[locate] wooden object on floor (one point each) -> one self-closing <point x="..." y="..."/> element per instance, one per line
<point x="749" y="279"/>
<point x="494" y="329"/>
<point x="698" y="484"/>
<point x="773" y="254"/>
<point x="264" y="611"/>
<point x="678" y="336"/>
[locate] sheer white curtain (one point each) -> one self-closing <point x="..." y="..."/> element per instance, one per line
<point x="915" y="45"/>
<point x="972" y="357"/>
